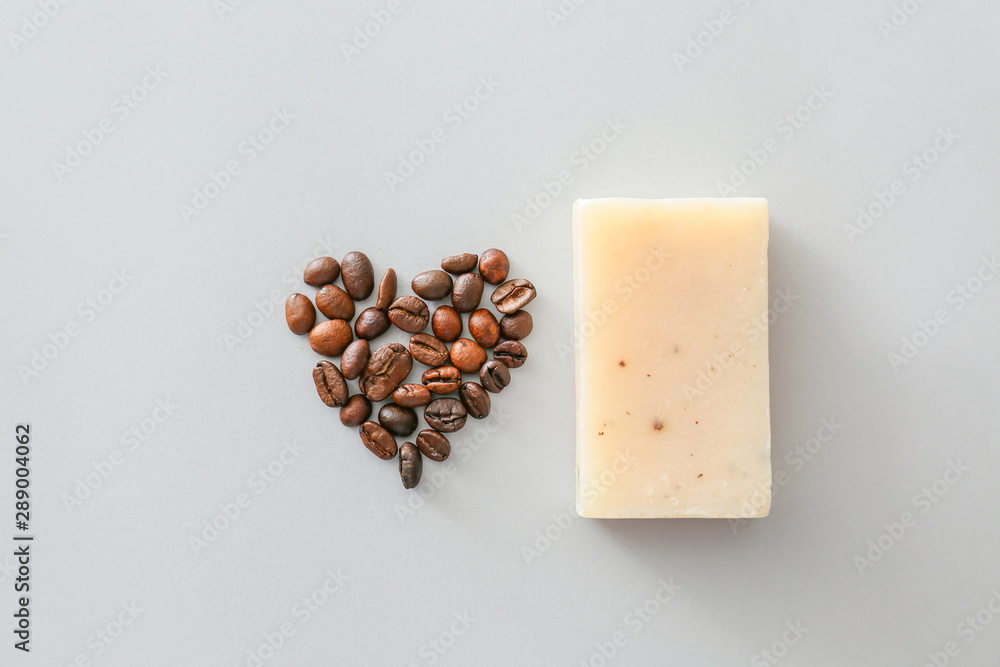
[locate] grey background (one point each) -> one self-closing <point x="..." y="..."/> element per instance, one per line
<point x="176" y="331"/>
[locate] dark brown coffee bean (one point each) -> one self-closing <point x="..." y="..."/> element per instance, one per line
<point x="494" y="376"/>
<point x="386" y="290"/>
<point x="321" y="271"/>
<point x="484" y="327"/>
<point x="475" y="399"/>
<point x="513" y="295"/>
<point x="412" y="395"/>
<point x="467" y="293"/>
<point x="330" y="338"/>
<point x="428" y="350"/>
<point x="378" y="440"/>
<point x="397" y="419"/>
<point x="494" y="266"/>
<point x="300" y="313"/>
<point x="330" y="384"/>
<point x="355" y="359"/>
<point x="335" y="303"/>
<point x="446" y="323"/>
<point x="371" y="323"/>
<point x="446" y="415"/>
<point x="359" y="276"/>
<point x="387" y="368"/>
<point x="356" y="412"/>
<point x="433" y="445"/>
<point x="432" y="285"/>
<point x="409" y="314"/>
<point x="458" y="264"/>
<point x="410" y="465"/>
<point x="516" y="326"/>
<point x="467" y="355"/>
<point x="442" y="380"/>
<point x="511" y="353"/>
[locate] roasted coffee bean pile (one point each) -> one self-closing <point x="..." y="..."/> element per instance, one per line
<point x="381" y="372"/>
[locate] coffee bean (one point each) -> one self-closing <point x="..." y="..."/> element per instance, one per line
<point x="300" y="313"/>
<point x="475" y="399"/>
<point x="494" y="266"/>
<point x="513" y="295"/>
<point x="355" y="359"/>
<point x="442" y="380"/>
<point x="397" y="419"/>
<point x="433" y="445"/>
<point x="467" y="355"/>
<point x="371" y="323"/>
<point x="378" y="440"/>
<point x="484" y="327"/>
<point x="321" y="271"/>
<point x="356" y="412"/>
<point x="386" y="290"/>
<point x="468" y="292"/>
<point x="432" y="285"/>
<point x="511" y="353"/>
<point x="359" y="276"/>
<point x="412" y="395"/>
<point x="330" y="384"/>
<point x="387" y="368"/>
<point x="494" y="376"/>
<point x="330" y="338"/>
<point x="410" y="465"/>
<point x="335" y="303"/>
<point x="446" y="323"/>
<point x="516" y="326"/>
<point x="458" y="264"/>
<point x="428" y="350"/>
<point x="446" y="415"/>
<point x="409" y="314"/>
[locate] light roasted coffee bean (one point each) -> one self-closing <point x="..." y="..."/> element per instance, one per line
<point x="387" y="368"/>
<point x="355" y="359"/>
<point x="371" y="323"/>
<point x="330" y="384"/>
<point x="467" y="355"/>
<point x="516" y="326"/>
<point x="428" y="350"/>
<point x="446" y="415"/>
<point x="412" y="395"/>
<point x="511" y="353"/>
<point x="475" y="399"/>
<point x="467" y="293"/>
<point x="432" y="285"/>
<point x="331" y="338"/>
<point x="398" y="420"/>
<point x="386" y="290"/>
<point x="356" y="412"/>
<point x="409" y="314"/>
<point x="359" y="275"/>
<point x="446" y="323"/>
<point x="442" y="380"/>
<point x="484" y="327"/>
<point x="410" y="465"/>
<point x="513" y="295"/>
<point x="335" y="303"/>
<point x="458" y="264"/>
<point x="321" y="271"/>
<point x="299" y="313"/>
<point x="433" y="445"/>
<point x="494" y="376"/>
<point x="494" y="266"/>
<point x="378" y="440"/>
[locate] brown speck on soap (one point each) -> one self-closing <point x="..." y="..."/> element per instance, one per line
<point x="676" y="349"/>
<point x="696" y="423"/>
<point x="621" y="363"/>
<point x="658" y="425"/>
<point x="700" y="475"/>
<point x="600" y="433"/>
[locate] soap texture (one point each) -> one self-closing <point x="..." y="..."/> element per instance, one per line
<point x="671" y="310"/>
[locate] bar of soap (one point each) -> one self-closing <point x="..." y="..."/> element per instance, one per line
<point x="672" y="407"/>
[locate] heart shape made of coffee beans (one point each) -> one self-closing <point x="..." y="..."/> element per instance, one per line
<point x="368" y="376"/>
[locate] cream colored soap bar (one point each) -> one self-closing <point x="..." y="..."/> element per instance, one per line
<point x="671" y="358"/>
